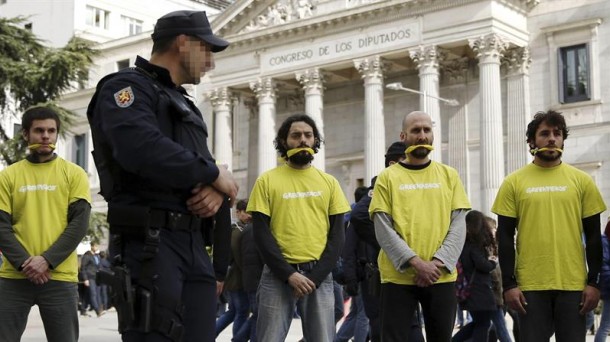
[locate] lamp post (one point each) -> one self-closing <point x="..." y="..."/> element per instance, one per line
<point x="398" y="86"/>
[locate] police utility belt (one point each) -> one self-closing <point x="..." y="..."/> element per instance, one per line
<point x="131" y="219"/>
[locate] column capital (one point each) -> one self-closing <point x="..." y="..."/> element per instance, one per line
<point x="426" y="56"/>
<point x="311" y="79"/>
<point x="370" y="67"/>
<point x="455" y="70"/>
<point x="517" y="61"/>
<point x="489" y="48"/>
<point x="264" y="87"/>
<point x="220" y="97"/>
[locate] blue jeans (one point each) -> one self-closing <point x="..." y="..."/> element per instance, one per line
<point x="356" y="323"/>
<point x="552" y="311"/>
<point x="56" y="300"/>
<point x="497" y="318"/>
<point x="477" y="330"/>
<point x="248" y="329"/>
<point x="604" y="323"/>
<point x="237" y="313"/>
<point x="276" y="303"/>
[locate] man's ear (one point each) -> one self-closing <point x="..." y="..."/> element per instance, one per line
<point x="25" y="135"/>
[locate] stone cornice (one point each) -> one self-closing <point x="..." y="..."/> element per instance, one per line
<point x="335" y="22"/>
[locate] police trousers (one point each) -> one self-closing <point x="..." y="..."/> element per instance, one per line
<point x="184" y="275"/>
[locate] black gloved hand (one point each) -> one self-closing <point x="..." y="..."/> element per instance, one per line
<point x="352" y="288"/>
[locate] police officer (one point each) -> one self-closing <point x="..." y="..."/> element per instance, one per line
<point x="161" y="183"/>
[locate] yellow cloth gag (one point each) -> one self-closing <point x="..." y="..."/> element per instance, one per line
<point x="37" y="146"/>
<point x="294" y="151"/>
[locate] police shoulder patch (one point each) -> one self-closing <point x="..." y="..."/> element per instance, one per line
<point x="124" y="97"/>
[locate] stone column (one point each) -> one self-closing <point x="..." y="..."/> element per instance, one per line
<point x="312" y="81"/>
<point x="455" y="73"/>
<point x="518" y="114"/>
<point x="264" y="89"/>
<point x="223" y="141"/>
<point x="489" y="51"/>
<point x="427" y="59"/>
<point x="371" y="70"/>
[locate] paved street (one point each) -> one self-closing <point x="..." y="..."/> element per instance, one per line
<point x="103" y="329"/>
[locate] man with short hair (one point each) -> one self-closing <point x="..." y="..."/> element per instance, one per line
<point x="297" y="212"/>
<point x="90" y="264"/>
<point x="44" y="214"/>
<point x="162" y="184"/>
<point x="553" y="280"/>
<point x="418" y="208"/>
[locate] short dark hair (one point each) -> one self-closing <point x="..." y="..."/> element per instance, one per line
<point x="163" y="44"/>
<point x="282" y="133"/>
<point x="395" y="152"/>
<point x="552" y="118"/>
<point x="360" y="192"/>
<point x="38" y="113"/>
<point x="241" y="205"/>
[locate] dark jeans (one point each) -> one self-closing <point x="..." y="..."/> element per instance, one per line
<point x="552" y="311"/>
<point x="398" y="305"/>
<point x="93" y="295"/>
<point x="477" y="330"/>
<point x="248" y="330"/>
<point x="56" y="300"/>
<point x="184" y="276"/>
<point x="237" y="313"/>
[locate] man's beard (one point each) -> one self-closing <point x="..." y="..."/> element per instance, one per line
<point x="549" y="157"/>
<point x="420" y="153"/>
<point x="302" y="158"/>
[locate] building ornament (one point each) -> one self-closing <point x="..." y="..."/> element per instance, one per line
<point x="370" y="67"/>
<point x="517" y="60"/>
<point x="220" y="97"/>
<point x="280" y="13"/>
<point x="311" y="79"/>
<point x="264" y="88"/>
<point x="489" y="48"/>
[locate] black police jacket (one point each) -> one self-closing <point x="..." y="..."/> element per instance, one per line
<point x="150" y="140"/>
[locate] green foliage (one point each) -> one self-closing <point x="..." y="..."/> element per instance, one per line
<point x="98" y="226"/>
<point x="33" y="74"/>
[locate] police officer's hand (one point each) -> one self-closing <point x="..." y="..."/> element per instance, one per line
<point x="515" y="300"/>
<point x="205" y="202"/>
<point x="427" y="272"/>
<point x="301" y="284"/>
<point x="590" y="299"/>
<point x="225" y="182"/>
<point x="36" y="269"/>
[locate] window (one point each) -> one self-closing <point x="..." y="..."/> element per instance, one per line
<point x="131" y="26"/>
<point x="120" y="65"/>
<point x="80" y="150"/>
<point x="97" y="17"/>
<point x="574" y="68"/>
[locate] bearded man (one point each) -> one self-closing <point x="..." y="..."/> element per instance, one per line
<point x="297" y="213"/>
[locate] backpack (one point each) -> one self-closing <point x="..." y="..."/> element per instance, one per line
<point x="462" y="284"/>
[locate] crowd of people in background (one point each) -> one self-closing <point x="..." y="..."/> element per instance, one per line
<point x="93" y="296"/>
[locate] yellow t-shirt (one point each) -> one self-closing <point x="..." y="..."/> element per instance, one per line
<point x="37" y="197"/>
<point x="549" y="205"/>
<point x="420" y="203"/>
<point x="299" y="203"/>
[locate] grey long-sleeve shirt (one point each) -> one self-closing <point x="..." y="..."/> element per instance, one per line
<point x="399" y="252"/>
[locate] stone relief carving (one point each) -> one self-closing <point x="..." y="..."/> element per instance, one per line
<point x="283" y="11"/>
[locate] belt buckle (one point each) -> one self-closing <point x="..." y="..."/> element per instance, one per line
<point x="173" y="220"/>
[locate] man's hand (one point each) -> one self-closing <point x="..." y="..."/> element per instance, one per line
<point x="515" y="300"/>
<point x="590" y="298"/>
<point x="301" y="284"/>
<point x="86" y="282"/>
<point x="225" y="183"/>
<point x="427" y="271"/>
<point x="36" y="269"/>
<point x="205" y="201"/>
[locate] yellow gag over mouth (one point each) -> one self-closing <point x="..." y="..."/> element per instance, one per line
<point x="294" y="151"/>
<point x="37" y="146"/>
<point x="414" y="147"/>
<point x="534" y="151"/>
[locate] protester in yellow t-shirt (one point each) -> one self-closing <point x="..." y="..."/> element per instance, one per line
<point x="551" y="205"/>
<point x="44" y="214"/>
<point x="297" y="212"/>
<point x="418" y="208"/>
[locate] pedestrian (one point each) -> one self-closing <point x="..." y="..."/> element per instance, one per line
<point x="239" y="307"/>
<point x="90" y="264"/>
<point x="418" y="209"/>
<point x="297" y="212"/>
<point x="162" y="184"/>
<point x="604" y="286"/>
<point x="552" y="282"/>
<point x="44" y="215"/>
<point x="478" y="261"/>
